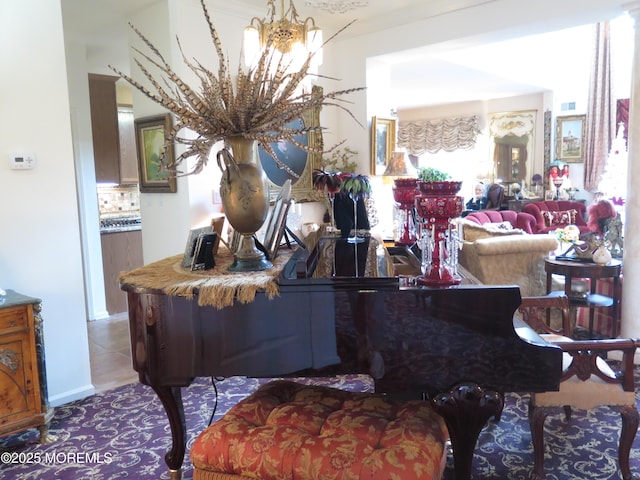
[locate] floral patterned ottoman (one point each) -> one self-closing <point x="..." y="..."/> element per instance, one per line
<point x="287" y="430"/>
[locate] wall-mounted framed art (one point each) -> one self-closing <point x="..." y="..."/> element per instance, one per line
<point x="570" y="138"/>
<point x="155" y="177"/>
<point x="383" y="143"/>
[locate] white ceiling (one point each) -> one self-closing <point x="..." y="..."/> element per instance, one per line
<point x="536" y="63"/>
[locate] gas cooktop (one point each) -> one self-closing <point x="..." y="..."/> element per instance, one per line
<point x="120" y="224"/>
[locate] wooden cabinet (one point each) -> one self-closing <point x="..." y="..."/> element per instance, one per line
<point x="128" y="154"/>
<point x="114" y="147"/>
<point x="23" y="386"/>
<point x="121" y="251"/>
<point x="104" y="127"/>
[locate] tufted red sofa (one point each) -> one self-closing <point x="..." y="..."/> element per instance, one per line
<point x="289" y="430"/>
<point x="542" y="226"/>
<point x="521" y="220"/>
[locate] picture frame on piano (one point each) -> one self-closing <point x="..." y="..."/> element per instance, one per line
<point x="203" y="256"/>
<point x="277" y="221"/>
<point x="190" y="248"/>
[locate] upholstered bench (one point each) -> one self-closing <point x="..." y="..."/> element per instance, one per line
<point x="289" y="430"/>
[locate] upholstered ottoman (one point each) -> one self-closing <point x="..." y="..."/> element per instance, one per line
<point x="287" y="430"/>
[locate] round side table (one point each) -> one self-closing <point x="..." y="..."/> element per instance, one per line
<point x="575" y="269"/>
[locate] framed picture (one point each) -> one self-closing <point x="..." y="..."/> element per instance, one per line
<point x="570" y="138"/>
<point x="217" y="224"/>
<point x="234" y="238"/>
<point x="152" y="157"/>
<point x="204" y="251"/>
<point x="192" y="240"/>
<point x="383" y="143"/>
<point x="277" y="221"/>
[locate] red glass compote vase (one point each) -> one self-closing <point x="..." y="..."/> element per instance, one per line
<point x="404" y="192"/>
<point x="436" y="204"/>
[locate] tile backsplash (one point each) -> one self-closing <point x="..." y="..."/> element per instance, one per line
<point x="118" y="200"/>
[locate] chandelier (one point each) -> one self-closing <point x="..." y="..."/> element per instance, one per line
<point x="290" y="35"/>
<point x="337" y="6"/>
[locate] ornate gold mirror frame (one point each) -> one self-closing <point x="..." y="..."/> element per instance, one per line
<point x="302" y="188"/>
<point x="512" y="145"/>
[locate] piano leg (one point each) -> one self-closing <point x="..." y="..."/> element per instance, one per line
<point x="171" y="398"/>
<point x="466" y="410"/>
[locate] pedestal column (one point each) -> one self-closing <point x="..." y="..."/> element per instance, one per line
<point x="631" y="257"/>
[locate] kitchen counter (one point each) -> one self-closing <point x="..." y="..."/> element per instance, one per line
<point x="120" y="224"/>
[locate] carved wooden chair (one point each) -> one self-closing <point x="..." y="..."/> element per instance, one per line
<point x="587" y="380"/>
<point x="495" y="196"/>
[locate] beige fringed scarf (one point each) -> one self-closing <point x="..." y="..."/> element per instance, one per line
<point x="217" y="287"/>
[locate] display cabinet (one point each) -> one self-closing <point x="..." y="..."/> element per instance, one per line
<point x="23" y="385"/>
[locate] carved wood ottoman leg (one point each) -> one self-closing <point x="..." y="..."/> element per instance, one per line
<point x="630" y="420"/>
<point x="537" y="416"/>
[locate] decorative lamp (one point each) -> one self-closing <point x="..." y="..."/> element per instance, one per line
<point x="557" y="182"/>
<point x="290" y="36"/>
<point x="557" y="172"/>
<point x="399" y="167"/>
<point x="404" y="192"/>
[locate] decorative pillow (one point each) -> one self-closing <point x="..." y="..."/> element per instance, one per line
<point x="561" y="218"/>
<point x="498" y="226"/>
<point x="472" y="231"/>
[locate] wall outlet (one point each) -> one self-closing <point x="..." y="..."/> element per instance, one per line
<point x="215" y="197"/>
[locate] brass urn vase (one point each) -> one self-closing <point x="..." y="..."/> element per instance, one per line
<point x="244" y="191"/>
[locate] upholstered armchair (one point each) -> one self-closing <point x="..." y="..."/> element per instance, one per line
<point x="552" y="214"/>
<point x="587" y="381"/>
<point x="505" y="256"/>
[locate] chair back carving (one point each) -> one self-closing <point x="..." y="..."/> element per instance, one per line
<point x="495" y="196"/>
<point x="536" y="312"/>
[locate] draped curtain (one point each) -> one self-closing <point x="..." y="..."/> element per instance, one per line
<point x="600" y="127"/>
<point x="448" y="134"/>
<point x="622" y="116"/>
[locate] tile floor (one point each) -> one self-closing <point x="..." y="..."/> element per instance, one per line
<point x="110" y="354"/>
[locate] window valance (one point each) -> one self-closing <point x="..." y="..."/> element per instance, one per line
<point x="448" y="134"/>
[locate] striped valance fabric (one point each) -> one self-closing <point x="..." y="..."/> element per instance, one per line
<point x="448" y="134"/>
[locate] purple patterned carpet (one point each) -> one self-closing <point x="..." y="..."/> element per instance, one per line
<point x="123" y="433"/>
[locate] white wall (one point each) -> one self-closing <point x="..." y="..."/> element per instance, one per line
<point x="85" y="174"/>
<point x="40" y="248"/>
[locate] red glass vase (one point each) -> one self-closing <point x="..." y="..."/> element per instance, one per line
<point x="404" y="192"/>
<point x="437" y="205"/>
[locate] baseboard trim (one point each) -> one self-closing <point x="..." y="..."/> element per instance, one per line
<point x="72" y="395"/>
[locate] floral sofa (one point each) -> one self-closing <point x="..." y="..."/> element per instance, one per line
<point x="552" y="214"/>
<point x="501" y="252"/>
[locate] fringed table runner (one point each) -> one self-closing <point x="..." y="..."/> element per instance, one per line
<point x="217" y="287"/>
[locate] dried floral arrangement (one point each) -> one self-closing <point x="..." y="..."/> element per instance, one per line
<point x="259" y="104"/>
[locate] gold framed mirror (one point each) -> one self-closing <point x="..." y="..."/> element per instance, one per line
<point x="512" y="142"/>
<point x="300" y="161"/>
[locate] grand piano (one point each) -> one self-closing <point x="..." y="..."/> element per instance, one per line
<point x="340" y="309"/>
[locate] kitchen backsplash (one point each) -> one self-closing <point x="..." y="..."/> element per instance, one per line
<point x="119" y="200"/>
